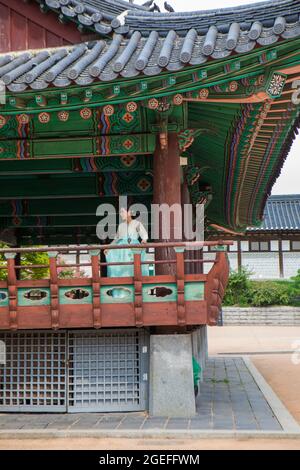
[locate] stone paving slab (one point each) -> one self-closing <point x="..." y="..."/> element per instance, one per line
<point x="229" y="400"/>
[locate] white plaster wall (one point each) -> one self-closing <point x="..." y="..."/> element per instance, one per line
<point x="263" y="265"/>
<point x="207" y="266"/>
<point x="233" y="261"/>
<point x="244" y="245"/>
<point x="291" y="263"/>
<point x="274" y="245"/>
<point x="285" y="245"/>
<point x="233" y="247"/>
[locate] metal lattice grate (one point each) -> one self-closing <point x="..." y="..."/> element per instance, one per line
<point x="107" y="372"/>
<point x="34" y="376"/>
<point x="76" y="371"/>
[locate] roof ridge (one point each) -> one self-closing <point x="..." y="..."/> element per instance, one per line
<point x="133" y="55"/>
<point x="107" y="16"/>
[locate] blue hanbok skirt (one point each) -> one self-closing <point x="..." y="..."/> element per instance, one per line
<point x="125" y="256"/>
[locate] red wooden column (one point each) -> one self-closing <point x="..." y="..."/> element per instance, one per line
<point x="54" y="290"/>
<point x="12" y="290"/>
<point x="280" y="257"/>
<point x="96" y="288"/>
<point x="167" y="190"/>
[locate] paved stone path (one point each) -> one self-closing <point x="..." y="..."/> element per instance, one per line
<point x="229" y="400"/>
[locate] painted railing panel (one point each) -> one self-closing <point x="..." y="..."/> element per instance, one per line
<point x="102" y="302"/>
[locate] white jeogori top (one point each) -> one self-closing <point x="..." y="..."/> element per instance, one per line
<point x="134" y="230"/>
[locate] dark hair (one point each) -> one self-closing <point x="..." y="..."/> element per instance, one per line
<point x="133" y="216"/>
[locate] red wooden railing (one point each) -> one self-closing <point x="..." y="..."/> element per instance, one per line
<point x="99" y="315"/>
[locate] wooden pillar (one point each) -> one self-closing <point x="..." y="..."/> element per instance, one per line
<point x="280" y="254"/>
<point x="239" y="255"/>
<point x="12" y="290"/>
<point x="77" y="270"/>
<point x="191" y="268"/>
<point x="167" y="190"/>
<point x="18" y="262"/>
<point x="96" y="278"/>
<point x="138" y="291"/>
<point x="189" y="254"/>
<point x="54" y="292"/>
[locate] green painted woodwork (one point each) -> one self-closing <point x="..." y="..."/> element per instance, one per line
<point x="154" y="293"/>
<point x="187" y="79"/>
<point x="159" y="293"/>
<point x="66" y="293"/>
<point x="270" y="166"/>
<point x="194" y="291"/>
<point x="122" y="294"/>
<point x="59" y="221"/>
<point x="56" y="235"/>
<point x="207" y="152"/>
<point x="60" y="207"/>
<point x="73" y="186"/>
<point x="4" y="297"/>
<point x="28" y="297"/>
<point x="75" y="165"/>
<point x="117" y="294"/>
<point x="77" y="147"/>
<point x="218" y="159"/>
<point x="65" y="122"/>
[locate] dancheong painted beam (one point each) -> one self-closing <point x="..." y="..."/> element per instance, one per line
<point x="140" y="95"/>
<point x="106" y="98"/>
<point x="223" y="110"/>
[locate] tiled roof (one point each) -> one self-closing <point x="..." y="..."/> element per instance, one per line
<point x="98" y="15"/>
<point x="268" y="14"/>
<point x="120" y="56"/>
<point x="124" y="17"/>
<point x="281" y="213"/>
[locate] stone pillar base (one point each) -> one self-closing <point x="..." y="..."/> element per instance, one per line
<point x="171" y="376"/>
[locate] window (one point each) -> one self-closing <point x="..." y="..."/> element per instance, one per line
<point x="259" y="246"/>
<point x="295" y="245"/>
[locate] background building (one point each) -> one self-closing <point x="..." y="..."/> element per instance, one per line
<point x="272" y="250"/>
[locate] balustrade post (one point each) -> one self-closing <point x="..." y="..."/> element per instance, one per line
<point x="138" y="288"/>
<point x="54" y="293"/>
<point x="96" y="283"/>
<point x="181" y="313"/>
<point x="12" y="290"/>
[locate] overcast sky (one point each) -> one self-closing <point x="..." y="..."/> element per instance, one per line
<point x="288" y="182"/>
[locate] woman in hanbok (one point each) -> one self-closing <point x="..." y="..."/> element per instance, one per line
<point x="130" y="232"/>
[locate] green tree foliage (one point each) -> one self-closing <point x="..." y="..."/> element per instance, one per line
<point x="28" y="259"/>
<point x="38" y="273"/>
<point x="238" y="289"/>
<point x="243" y="292"/>
<point x="267" y="293"/>
<point x="295" y="289"/>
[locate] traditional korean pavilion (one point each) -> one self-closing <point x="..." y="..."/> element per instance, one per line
<point x="271" y="250"/>
<point x="109" y="98"/>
